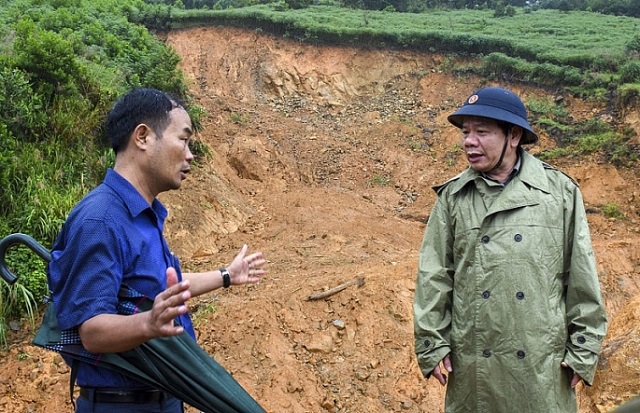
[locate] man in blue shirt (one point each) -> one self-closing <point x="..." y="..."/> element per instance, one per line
<point x="114" y="236"/>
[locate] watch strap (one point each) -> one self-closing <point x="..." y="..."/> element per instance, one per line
<point x="226" y="279"/>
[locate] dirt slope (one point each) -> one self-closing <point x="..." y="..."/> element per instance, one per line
<point x="323" y="159"/>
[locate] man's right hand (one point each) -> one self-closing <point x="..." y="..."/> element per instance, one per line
<point x="113" y="333"/>
<point x="168" y="305"/>
<point x="438" y="372"/>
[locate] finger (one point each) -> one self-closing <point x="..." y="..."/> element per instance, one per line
<point x="243" y="250"/>
<point x="175" y="331"/>
<point x="437" y="373"/>
<point x="447" y="363"/>
<point x="172" y="277"/>
<point x="252" y="280"/>
<point x="257" y="263"/>
<point x="169" y="329"/>
<point x="254" y="257"/>
<point x="575" y="380"/>
<point x="171" y="313"/>
<point x="175" y="295"/>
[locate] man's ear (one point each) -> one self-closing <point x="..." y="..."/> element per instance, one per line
<point x="516" y="135"/>
<point x="140" y="135"/>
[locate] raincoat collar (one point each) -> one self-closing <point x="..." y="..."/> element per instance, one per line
<point x="531" y="174"/>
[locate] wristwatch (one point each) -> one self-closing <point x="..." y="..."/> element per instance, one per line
<point x="226" y="279"/>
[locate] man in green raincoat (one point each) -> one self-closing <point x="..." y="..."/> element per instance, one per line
<point x="508" y="302"/>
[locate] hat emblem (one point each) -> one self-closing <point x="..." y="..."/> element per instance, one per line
<point x="473" y="99"/>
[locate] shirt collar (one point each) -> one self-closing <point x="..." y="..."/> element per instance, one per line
<point x="130" y="196"/>
<point x="513" y="172"/>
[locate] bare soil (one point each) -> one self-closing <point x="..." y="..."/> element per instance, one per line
<point x="323" y="158"/>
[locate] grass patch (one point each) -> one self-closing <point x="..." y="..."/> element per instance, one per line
<point x="612" y="210"/>
<point x="379" y="180"/>
<point x="239" y="119"/>
<point x="203" y="313"/>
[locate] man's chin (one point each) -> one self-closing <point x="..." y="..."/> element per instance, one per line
<point x="177" y="184"/>
<point x="478" y="168"/>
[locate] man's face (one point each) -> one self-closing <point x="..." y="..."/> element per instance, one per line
<point x="171" y="157"/>
<point x="483" y="140"/>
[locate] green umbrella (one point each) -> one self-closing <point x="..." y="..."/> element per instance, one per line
<point x="631" y="406"/>
<point x="176" y="365"/>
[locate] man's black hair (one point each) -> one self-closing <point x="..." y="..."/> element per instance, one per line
<point x="141" y="105"/>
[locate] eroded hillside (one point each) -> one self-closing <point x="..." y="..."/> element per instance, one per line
<point x="323" y="158"/>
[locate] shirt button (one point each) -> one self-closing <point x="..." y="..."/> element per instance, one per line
<point x="517" y="237"/>
<point x="486" y="353"/>
<point x="520" y="354"/>
<point x="582" y="340"/>
<point x="486" y="294"/>
<point x="427" y="343"/>
<point x="485" y="239"/>
<point x="520" y="295"/>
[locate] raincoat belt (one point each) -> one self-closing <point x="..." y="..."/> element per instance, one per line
<point x="116" y="396"/>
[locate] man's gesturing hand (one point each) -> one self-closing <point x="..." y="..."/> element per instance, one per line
<point x="168" y="305"/>
<point x="246" y="268"/>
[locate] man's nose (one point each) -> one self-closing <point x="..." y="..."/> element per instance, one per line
<point x="469" y="139"/>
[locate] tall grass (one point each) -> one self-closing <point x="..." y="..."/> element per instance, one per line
<point x="16" y="300"/>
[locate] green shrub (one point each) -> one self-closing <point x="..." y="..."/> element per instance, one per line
<point x="546" y="107"/>
<point x="23" y="297"/>
<point x="21" y="108"/>
<point x="612" y="210"/>
<point x="628" y="96"/>
<point x="62" y="65"/>
<point x="630" y="72"/>
<point x="499" y="65"/>
<point x="379" y="180"/>
<point x="633" y="45"/>
<point x="49" y="58"/>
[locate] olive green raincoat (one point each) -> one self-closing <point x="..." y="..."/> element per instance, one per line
<point x="507" y="284"/>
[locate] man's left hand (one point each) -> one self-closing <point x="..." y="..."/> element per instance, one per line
<point x="576" y="377"/>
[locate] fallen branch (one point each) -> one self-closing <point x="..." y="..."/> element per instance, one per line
<point x="359" y="281"/>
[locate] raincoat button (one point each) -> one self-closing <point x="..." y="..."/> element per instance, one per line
<point x="520" y="295"/>
<point x="582" y="340"/>
<point x="486" y="294"/>
<point x="520" y="354"/>
<point x="485" y="239"/>
<point x="427" y="343"/>
<point x="486" y="353"/>
<point x="518" y="238"/>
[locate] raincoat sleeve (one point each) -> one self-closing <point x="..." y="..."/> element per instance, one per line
<point x="433" y="297"/>
<point x="586" y="316"/>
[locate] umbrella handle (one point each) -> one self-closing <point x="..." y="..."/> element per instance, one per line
<point x="13" y="239"/>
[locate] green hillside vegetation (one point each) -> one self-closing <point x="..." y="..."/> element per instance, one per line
<point x="587" y="52"/>
<point x="64" y="62"/>
<point x="62" y="65"/>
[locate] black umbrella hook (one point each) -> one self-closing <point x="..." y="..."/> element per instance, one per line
<point x="13" y="239"/>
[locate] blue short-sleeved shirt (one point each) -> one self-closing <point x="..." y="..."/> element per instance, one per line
<point x="112" y="236"/>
